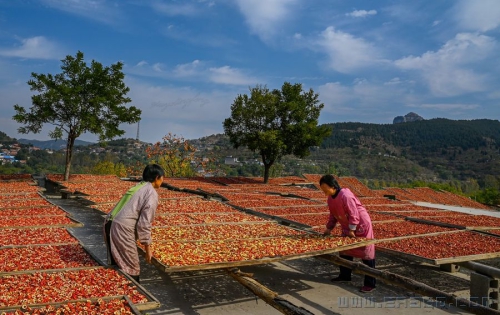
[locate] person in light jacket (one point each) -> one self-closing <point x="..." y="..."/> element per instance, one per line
<point x="131" y="220"/>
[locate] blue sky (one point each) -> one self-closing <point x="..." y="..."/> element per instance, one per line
<point x="186" y="60"/>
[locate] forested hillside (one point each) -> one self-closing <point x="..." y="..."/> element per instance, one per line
<point x="452" y="149"/>
<point x="424" y="136"/>
<point x="435" y="150"/>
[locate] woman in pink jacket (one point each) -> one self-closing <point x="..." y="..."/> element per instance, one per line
<point x="347" y="210"/>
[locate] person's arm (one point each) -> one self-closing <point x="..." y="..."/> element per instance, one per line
<point x="352" y="212"/>
<point x="145" y="222"/>
<point x="330" y="224"/>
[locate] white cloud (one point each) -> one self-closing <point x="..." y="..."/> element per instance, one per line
<point x="346" y="53"/>
<point x="158" y="67"/>
<point x="188" y="69"/>
<point x="195" y="71"/>
<point x="264" y="16"/>
<point x="393" y="81"/>
<point x="99" y="10"/>
<point x="450" y="70"/>
<point x="185" y="110"/>
<point x="447" y="107"/>
<point x="361" y="13"/>
<point x="17" y="93"/>
<point x="37" y="47"/>
<point x="435" y="23"/>
<point x="373" y="102"/>
<point x="481" y="15"/>
<point x="336" y="97"/>
<point x="231" y="76"/>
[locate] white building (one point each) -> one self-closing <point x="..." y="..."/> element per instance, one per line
<point x="229" y="160"/>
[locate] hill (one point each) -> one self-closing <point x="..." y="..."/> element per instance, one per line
<point x="452" y="149"/>
<point x="424" y="150"/>
<point x="52" y="144"/>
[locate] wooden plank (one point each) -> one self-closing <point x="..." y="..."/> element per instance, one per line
<point x="483" y="228"/>
<point x="485" y="232"/>
<point x="440" y="261"/>
<point x="398" y="238"/>
<point x="48" y="270"/>
<point x="14" y="308"/>
<point x="38" y="215"/>
<point x="22" y="272"/>
<point x="152" y="300"/>
<point x="25" y="207"/>
<point x="217" y="241"/>
<point x="166" y="214"/>
<point x="293" y="206"/>
<point x="43" y="226"/>
<point x="269" y="296"/>
<point x="215" y="223"/>
<point x="406" y="255"/>
<point x="33" y="245"/>
<point x="451" y="260"/>
<point x="261" y="261"/>
<point x="430" y="222"/>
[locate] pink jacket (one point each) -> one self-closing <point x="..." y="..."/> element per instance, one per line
<point x="347" y="210"/>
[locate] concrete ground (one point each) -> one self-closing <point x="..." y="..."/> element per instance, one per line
<point x="303" y="282"/>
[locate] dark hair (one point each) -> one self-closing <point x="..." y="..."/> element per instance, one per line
<point x="330" y="181"/>
<point x="152" y="172"/>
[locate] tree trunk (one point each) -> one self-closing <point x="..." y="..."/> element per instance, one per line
<point x="266" y="172"/>
<point x="270" y="297"/>
<point x="69" y="155"/>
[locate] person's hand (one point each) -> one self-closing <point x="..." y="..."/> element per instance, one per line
<point x="351" y="233"/>
<point x="327" y="232"/>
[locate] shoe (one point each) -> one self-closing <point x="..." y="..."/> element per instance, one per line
<point x="340" y="279"/>
<point x="366" y="289"/>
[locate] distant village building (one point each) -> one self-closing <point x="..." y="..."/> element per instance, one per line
<point x="254" y="161"/>
<point x="6" y="158"/>
<point x="229" y="160"/>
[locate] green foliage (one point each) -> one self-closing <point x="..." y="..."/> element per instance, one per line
<point x="79" y="99"/>
<point x="490" y="196"/>
<point x="109" y="168"/>
<point x="4" y="137"/>
<point x="276" y="123"/>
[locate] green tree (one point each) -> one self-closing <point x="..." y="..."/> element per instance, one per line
<point x="79" y="99"/>
<point x="104" y="168"/>
<point x="276" y="123"/>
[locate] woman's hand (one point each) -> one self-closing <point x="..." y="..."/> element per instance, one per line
<point x="351" y="233"/>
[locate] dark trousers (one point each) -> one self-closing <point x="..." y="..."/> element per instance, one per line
<point x="107" y="229"/>
<point x="345" y="272"/>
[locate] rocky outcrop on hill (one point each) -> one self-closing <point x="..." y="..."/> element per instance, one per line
<point x="411" y="116"/>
